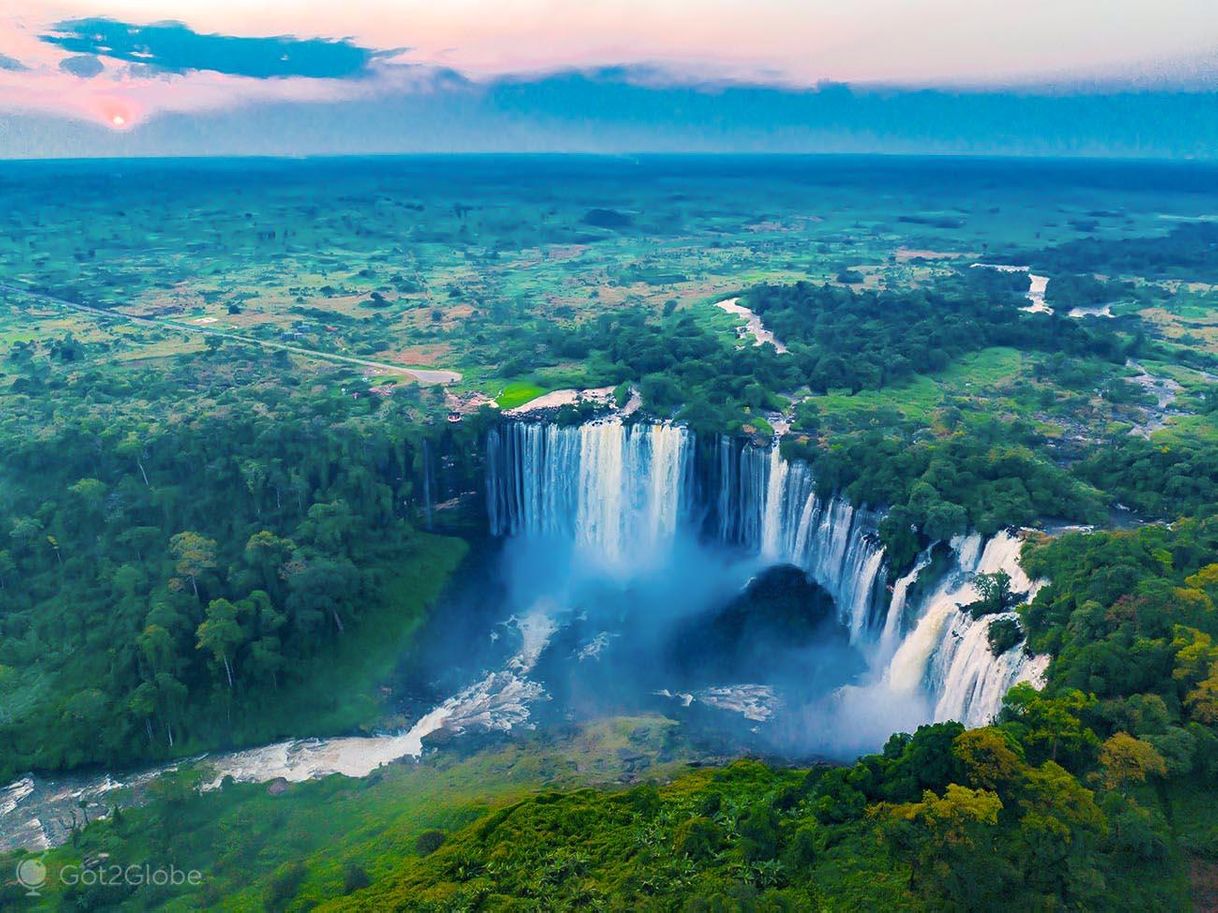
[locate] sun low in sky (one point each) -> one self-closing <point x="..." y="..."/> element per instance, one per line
<point x="122" y="64"/>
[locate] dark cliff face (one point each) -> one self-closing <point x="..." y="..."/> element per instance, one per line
<point x="780" y="611"/>
<point x="447" y="471"/>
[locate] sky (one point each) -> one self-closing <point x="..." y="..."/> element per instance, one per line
<point x="216" y="77"/>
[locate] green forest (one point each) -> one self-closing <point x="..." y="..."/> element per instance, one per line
<point x="232" y="502"/>
<point x="209" y="576"/>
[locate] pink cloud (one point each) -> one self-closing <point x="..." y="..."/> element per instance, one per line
<point x="122" y="96"/>
<point x="786" y="42"/>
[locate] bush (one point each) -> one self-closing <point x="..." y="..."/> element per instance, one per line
<point x="698" y="838"/>
<point x="354" y="878"/>
<point x="428" y="842"/>
<point x="1004" y="633"/>
<point x="284" y="884"/>
<point x="759" y="833"/>
<point x="802" y="852"/>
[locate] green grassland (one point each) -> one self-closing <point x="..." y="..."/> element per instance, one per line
<point x="518" y="393"/>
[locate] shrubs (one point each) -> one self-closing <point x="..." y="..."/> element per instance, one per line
<point x="698" y="838"/>
<point x="428" y="842"/>
<point x="1004" y="634"/>
<point x="758" y="833"/>
<point x="354" y="878"/>
<point x="284" y="884"/>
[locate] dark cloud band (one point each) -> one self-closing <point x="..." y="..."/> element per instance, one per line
<point x="175" y="48"/>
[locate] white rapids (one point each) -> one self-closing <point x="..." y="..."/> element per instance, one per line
<point x="1037" y="286"/>
<point x="752" y="324"/>
<point x="948" y="652"/>
<point x="32" y="813"/>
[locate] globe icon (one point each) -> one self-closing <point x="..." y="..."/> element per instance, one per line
<point x="32" y="874"/>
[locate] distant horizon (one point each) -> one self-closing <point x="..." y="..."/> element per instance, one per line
<point x="1020" y="157"/>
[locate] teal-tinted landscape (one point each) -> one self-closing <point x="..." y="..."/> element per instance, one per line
<point x="889" y="585"/>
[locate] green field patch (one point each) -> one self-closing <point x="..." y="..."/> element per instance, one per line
<point x="1190" y="428"/>
<point x="919" y="398"/>
<point x="986" y="368"/>
<point x="518" y="393"/>
<point x="916" y="400"/>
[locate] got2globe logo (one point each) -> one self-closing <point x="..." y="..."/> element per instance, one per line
<point x="31" y="875"/>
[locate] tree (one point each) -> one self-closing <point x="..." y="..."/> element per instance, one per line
<point x="1202" y="701"/>
<point x="1049" y="727"/>
<point x="1196" y="668"/>
<point x="221" y="635"/>
<point x="937" y="835"/>
<point x="266" y="553"/>
<point x="193" y="554"/>
<point x="90" y="496"/>
<point x="320" y="588"/>
<point x="1059" y="816"/>
<point x="1126" y="761"/>
<point x="141" y="539"/>
<point x="988" y="758"/>
<point x="132" y="448"/>
<point x="698" y="838"/>
<point x="329" y="526"/>
<point x="944" y="520"/>
<point x="1206" y="578"/>
<point x="993" y="592"/>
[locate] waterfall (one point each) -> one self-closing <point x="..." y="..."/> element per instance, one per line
<point x="621" y="493"/>
<point x="969" y="679"/>
<point x="895" y="617"/>
<point x="777" y="506"/>
<point x="774" y="505"/>
<point x="743" y="485"/>
<point x="616" y="492"/>
<point x="948" y="652"/>
<point x="427" y="497"/>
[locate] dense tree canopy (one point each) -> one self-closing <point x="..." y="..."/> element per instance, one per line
<point x="165" y="571"/>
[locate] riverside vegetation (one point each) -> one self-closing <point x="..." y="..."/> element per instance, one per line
<point x="207" y="544"/>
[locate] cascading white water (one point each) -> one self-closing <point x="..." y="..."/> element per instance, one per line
<point x="774" y="520"/>
<point x="620" y="493"/>
<point x="948" y="652"/>
<point x="617" y="492"/>
<point x="828" y="538"/>
<point x="895" y="616"/>
<point x="969" y="679"/>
